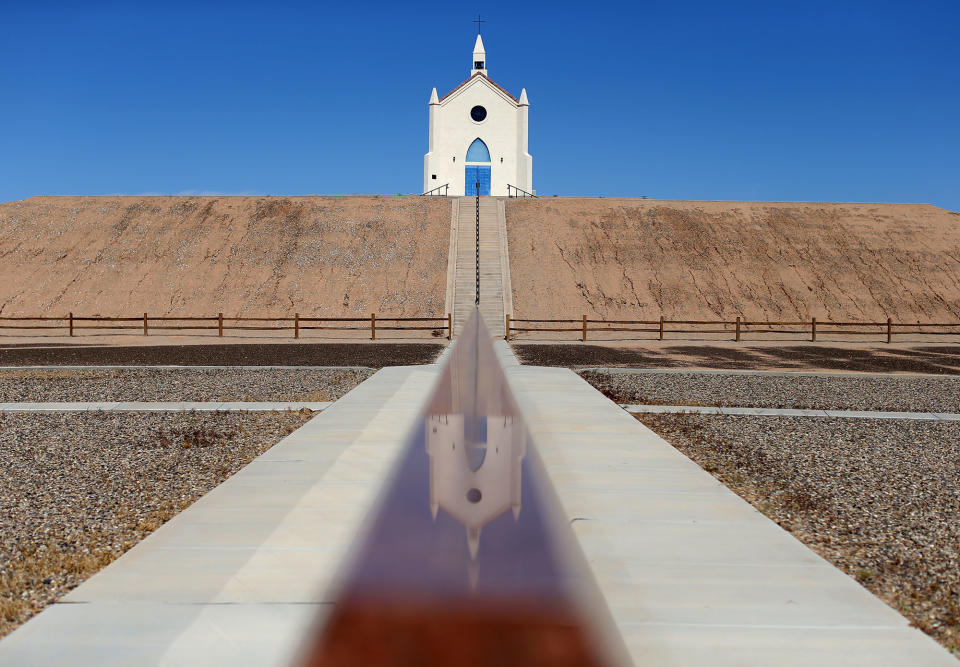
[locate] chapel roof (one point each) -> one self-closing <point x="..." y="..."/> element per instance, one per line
<point x="481" y="74"/>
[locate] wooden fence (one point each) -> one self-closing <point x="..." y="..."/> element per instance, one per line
<point x="146" y="323"/>
<point x="738" y="328"/>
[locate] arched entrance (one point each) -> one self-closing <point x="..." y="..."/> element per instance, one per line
<point x="477" y="169"/>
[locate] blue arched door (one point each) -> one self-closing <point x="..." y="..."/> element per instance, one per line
<point x="477" y="170"/>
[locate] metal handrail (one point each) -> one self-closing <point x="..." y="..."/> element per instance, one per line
<point x="514" y="191"/>
<point x="430" y="193"/>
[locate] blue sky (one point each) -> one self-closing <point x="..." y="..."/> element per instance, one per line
<point x="808" y="101"/>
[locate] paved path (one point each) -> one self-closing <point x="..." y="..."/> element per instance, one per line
<point x="238" y="577"/>
<point x="773" y="412"/>
<point x="492" y="261"/>
<point x="693" y="574"/>
<point x="166" y="406"/>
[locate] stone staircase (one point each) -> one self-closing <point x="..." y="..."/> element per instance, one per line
<point x="494" y="264"/>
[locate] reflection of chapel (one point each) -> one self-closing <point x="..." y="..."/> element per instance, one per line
<point x="478" y="134"/>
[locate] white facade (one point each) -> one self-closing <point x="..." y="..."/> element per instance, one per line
<point x="453" y="128"/>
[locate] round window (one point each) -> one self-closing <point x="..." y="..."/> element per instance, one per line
<point x="478" y="113"/>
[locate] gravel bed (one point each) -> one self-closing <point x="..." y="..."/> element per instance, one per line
<point x="878" y="499"/>
<point x="164" y="384"/>
<point x="892" y="393"/>
<point x="79" y="489"/>
<point x="374" y="355"/>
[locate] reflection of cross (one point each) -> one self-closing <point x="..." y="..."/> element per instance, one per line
<point x="478" y="21"/>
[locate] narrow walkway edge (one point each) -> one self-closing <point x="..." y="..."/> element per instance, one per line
<point x="165" y="406"/>
<point x="786" y="412"/>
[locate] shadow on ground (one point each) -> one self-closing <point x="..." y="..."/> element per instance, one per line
<point x="374" y="355"/>
<point x="941" y="359"/>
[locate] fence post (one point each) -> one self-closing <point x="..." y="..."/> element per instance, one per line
<point x="373" y="326"/>
<point x="813" y="329"/>
<point x="71" y="323"/>
<point x="507" y="328"/>
<point x="661" y="327"/>
<point x="584" y="328"/>
<point x="296" y="325"/>
<point x="220" y="324"/>
<point x="144" y="324"/>
<point x="889" y="329"/>
<point x="450" y="326"/>
<point x="738" y="328"/>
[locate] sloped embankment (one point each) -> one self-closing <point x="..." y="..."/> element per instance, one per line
<point x="330" y="256"/>
<point x="623" y="258"/>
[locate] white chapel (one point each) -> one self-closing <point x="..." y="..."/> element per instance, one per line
<point x="478" y="134"/>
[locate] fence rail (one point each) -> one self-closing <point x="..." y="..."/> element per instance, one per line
<point x="738" y="327"/>
<point x="146" y="323"/>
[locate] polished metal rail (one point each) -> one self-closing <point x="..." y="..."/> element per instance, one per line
<point x="467" y="557"/>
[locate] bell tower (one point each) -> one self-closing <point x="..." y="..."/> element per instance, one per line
<point x="479" y="58"/>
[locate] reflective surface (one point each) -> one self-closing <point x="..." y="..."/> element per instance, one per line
<point x="466" y="559"/>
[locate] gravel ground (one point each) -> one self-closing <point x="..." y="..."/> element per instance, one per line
<point x="374" y="355"/>
<point x="163" y="384"/>
<point x="79" y="489"/>
<point x="879" y="499"/>
<point x="894" y="393"/>
<point x="815" y="357"/>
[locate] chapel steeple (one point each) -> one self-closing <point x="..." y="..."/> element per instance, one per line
<point x="479" y="58"/>
<point x="478" y="137"/>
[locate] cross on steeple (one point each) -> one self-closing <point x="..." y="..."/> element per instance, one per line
<point x="478" y="21"/>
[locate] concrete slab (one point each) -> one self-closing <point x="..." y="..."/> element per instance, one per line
<point x="239" y="576"/>
<point x="692" y="573"/>
<point x="866" y="414"/>
<point x="786" y="412"/>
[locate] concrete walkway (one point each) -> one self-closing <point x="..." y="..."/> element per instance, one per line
<point x="693" y="574"/>
<point x="774" y="412"/>
<point x="238" y="578"/>
<point x="166" y="406"/>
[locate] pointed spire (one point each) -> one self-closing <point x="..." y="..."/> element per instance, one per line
<point x="434" y="99"/>
<point x="479" y="58"/>
<point x="473" y="541"/>
<point x="523" y="99"/>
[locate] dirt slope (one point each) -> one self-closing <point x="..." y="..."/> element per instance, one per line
<point x="237" y="255"/>
<point x="623" y="258"/>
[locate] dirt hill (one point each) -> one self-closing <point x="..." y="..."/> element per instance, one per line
<point x="333" y="256"/>
<point x="628" y="258"/>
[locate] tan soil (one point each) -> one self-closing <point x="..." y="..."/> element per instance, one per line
<point x="636" y="259"/>
<point x="323" y="256"/>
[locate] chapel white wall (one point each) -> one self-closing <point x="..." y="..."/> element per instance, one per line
<point x="504" y="131"/>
